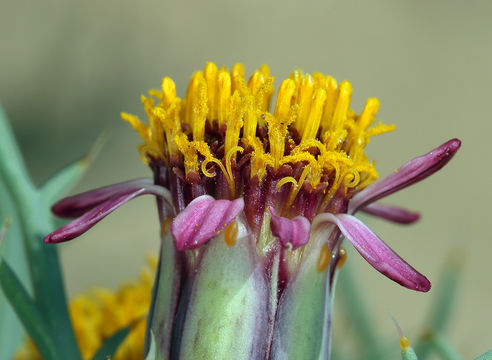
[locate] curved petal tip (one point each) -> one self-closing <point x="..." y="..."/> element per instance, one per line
<point x="203" y="219"/>
<point x="292" y="233"/>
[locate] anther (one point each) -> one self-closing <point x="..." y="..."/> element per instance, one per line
<point x="324" y="258"/>
<point x="342" y="253"/>
<point x="230" y="234"/>
<point x="165" y="225"/>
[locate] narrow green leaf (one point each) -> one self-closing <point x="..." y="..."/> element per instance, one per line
<point x="111" y="344"/>
<point x="442" y="346"/>
<point x="11" y="165"/>
<point x="408" y="354"/>
<point x="443" y="306"/>
<point x="12" y="333"/>
<point x="357" y="312"/>
<point x="44" y="266"/>
<point x="62" y="181"/>
<point x="486" y="356"/>
<point x="27" y="312"/>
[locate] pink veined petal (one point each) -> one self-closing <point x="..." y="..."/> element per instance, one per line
<point x="203" y="219"/>
<point x="95" y="214"/>
<point x="392" y="213"/>
<point x="77" y="205"/>
<point x="291" y="232"/>
<point x="375" y="251"/>
<point x="410" y="173"/>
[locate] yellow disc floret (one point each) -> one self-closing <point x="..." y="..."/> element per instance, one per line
<point x="99" y="314"/>
<point x="222" y="115"/>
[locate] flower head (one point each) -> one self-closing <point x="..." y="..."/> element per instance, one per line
<point x="222" y="140"/>
<point x="268" y="192"/>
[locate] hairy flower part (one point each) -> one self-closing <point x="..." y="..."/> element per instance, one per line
<point x="254" y="201"/>
<point x="98" y="314"/>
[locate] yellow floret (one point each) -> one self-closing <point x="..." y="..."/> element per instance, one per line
<point x="99" y="314"/>
<point x="327" y="136"/>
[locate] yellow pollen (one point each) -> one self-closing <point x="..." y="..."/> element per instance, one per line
<point x="404" y="343"/>
<point x="210" y="73"/>
<point x="223" y="105"/>
<point x="324" y="258"/>
<point x="168" y="91"/>
<point x="311" y="128"/>
<point x="343" y="258"/>
<point x="165" y="226"/>
<point x="230" y="234"/>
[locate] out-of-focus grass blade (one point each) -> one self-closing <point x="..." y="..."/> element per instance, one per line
<point x="408" y="354"/>
<point x="36" y="222"/>
<point x="357" y="312"/>
<point x="12" y="333"/>
<point x="442" y="346"/>
<point x="442" y="309"/>
<point x="27" y="312"/>
<point x="486" y="356"/>
<point x="62" y="181"/>
<point x="111" y="345"/>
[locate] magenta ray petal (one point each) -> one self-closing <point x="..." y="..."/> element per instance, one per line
<point x="376" y="252"/>
<point x="99" y="212"/>
<point x="410" y="173"/>
<point x="291" y="232"/>
<point x="77" y="205"/>
<point x="392" y="213"/>
<point x="203" y="219"/>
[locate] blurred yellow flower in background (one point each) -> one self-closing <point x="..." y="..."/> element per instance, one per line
<point x="99" y="313"/>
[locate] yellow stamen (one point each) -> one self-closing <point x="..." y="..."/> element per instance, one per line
<point x="210" y="72"/>
<point x="195" y="81"/>
<point x="404" y="343"/>
<point x="237" y="76"/>
<point x="339" y="115"/>
<point x="166" y="225"/>
<point x="331" y="93"/>
<point x="324" y="258"/>
<point x="311" y="126"/>
<point x="230" y="234"/>
<point x="305" y="92"/>
<point x="168" y="91"/>
<point x="223" y="105"/>
<point x="343" y="258"/>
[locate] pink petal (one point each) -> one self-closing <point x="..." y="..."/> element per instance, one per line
<point x="410" y="173"/>
<point x="376" y="252"/>
<point x="79" y="204"/>
<point x="203" y="219"/>
<point x="392" y="213"/>
<point x="99" y="212"/>
<point x="291" y="232"/>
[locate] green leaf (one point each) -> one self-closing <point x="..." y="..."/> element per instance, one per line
<point x="442" y="346"/>
<point x="486" y="356"/>
<point x="62" y="181"/>
<point x="357" y="312"/>
<point x="408" y="354"/>
<point x="111" y="344"/>
<point x="11" y="164"/>
<point x="443" y="306"/>
<point x="12" y="332"/>
<point x="27" y="312"/>
<point x="36" y="222"/>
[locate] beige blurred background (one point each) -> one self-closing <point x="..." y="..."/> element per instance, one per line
<point x="67" y="69"/>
